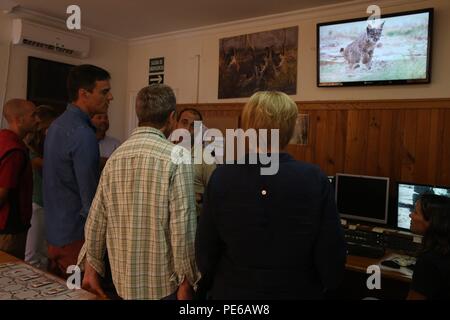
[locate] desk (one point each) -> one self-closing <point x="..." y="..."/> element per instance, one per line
<point x="394" y="285"/>
<point x="360" y="264"/>
<point x="19" y="280"/>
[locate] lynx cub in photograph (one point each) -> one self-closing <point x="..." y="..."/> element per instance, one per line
<point x="361" y="50"/>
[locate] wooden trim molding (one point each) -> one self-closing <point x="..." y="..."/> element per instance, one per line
<point x="400" y="104"/>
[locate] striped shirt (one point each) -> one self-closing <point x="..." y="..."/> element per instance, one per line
<point x="144" y="210"/>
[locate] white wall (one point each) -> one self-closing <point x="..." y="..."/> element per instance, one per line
<point x="109" y="54"/>
<point x="179" y="50"/>
<point x="128" y="63"/>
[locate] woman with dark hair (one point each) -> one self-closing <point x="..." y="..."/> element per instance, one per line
<point x="431" y="218"/>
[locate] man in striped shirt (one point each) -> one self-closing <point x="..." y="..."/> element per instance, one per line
<point x="144" y="211"/>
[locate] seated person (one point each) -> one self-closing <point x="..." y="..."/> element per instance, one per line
<point x="431" y="277"/>
<point x="269" y="236"/>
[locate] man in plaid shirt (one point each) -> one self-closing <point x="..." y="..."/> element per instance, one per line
<point x="144" y="211"/>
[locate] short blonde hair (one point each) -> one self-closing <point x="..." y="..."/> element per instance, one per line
<point x="271" y="110"/>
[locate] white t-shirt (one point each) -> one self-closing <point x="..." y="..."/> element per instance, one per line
<point x="107" y="146"/>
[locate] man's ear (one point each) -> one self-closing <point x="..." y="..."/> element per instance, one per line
<point x="19" y="119"/>
<point x="173" y="115"/>
<point x="170" y="124"/>
<point x="173" y="118"/>
<point x="82" y="93"/>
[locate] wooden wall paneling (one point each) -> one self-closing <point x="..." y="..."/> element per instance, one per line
<point x="409" y="145"/>
<point x="340" y="141"/>
<point x="396" y="155"/>
<point x="363" y="124"/>
<point x="434" y="146"/>
<point x="331" y="151"/>
<point x="373" y="143"/>
<point x="444" y="163"/>
<point x="356" y="142"/>
<point x="351" y="139"/>
<point x="297" y="151"/>
<point x="386" y="143"/>
<point x="322" y="139"/>
<point x="423" y="140"/>
<point x="407" y="140"/>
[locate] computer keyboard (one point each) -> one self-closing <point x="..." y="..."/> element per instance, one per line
<point x="364" y="243"/>
<point x="364" y="237"/>
<point x="368" y="243"/>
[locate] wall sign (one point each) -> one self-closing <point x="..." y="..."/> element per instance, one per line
<point x="156" y="65"/>
<point x="156" y="70"/>
<point x="155" y="78"/>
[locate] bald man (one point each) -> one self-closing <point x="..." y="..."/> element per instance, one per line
<point x="16" y="180"/>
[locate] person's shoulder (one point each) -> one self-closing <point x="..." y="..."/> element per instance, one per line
<point x="4" y="133"/>
<point x="228" y="174"/>
<point x="84" y="131"/>
<point x="6" y="137"/>
<point x="304" y="169"/>
<point x="157" y="147"/>
<point x="67" y="124"/>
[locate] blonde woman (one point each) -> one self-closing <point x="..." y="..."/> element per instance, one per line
<point x="269" y="236"/>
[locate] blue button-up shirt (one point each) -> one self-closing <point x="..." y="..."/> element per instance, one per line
<point x="71" y="173"/>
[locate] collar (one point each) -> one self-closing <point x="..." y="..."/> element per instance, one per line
<point x="74" y="109"/>
<point x="282" y="157"/>
<point x="148" y="130"/>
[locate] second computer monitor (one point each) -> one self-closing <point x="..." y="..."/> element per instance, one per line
<point x="363" y="198"/>
<point x="408" y="193"/>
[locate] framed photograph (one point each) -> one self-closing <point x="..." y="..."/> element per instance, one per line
<point x="257" y="62"/>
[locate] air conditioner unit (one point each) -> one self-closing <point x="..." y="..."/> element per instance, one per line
<point x="51" y="39"/>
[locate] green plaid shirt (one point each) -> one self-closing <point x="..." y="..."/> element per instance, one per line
<point x="144" y="211"/>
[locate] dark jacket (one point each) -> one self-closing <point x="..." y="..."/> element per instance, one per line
<point x="270" y="237"/>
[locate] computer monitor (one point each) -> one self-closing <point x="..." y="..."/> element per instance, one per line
<point x="407" y="195"/>
<point x="362" y="198"/>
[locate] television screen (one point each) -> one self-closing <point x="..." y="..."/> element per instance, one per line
<point x="408" y="194"/>
<point x="394" y="49"/>
<point x="47" y="82"/>
<point x="363" y="198"/>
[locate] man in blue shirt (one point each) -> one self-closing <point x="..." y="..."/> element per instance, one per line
<point x="71" y="166"/>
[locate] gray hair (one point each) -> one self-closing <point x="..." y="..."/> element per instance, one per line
<point x="155" y="103"/>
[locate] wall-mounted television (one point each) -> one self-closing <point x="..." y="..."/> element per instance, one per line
<point x="362" y="198"/>
<point x="407" y="195"/>
<point x="47" y="82"/>
<point x="394" y="49"/>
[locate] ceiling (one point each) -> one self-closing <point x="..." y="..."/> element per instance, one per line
<point x="138" y="18"/>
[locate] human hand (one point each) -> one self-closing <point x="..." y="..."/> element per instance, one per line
<point x="91" y="281"/>
<point x="185" y="291"/>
